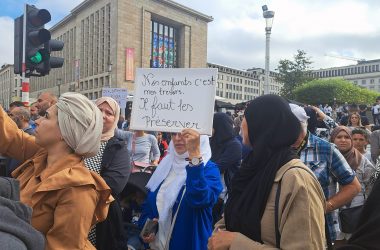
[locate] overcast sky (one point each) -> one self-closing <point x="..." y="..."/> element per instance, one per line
<point x="236" y="37"/>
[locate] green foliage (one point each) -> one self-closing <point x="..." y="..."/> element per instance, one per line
<point x="323" y="91"/>
<point x="294" y="73"/>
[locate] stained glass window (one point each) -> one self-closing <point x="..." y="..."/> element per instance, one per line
<point x="164" y="46"/>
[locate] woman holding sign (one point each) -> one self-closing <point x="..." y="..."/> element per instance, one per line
<point x="182" y="193"/>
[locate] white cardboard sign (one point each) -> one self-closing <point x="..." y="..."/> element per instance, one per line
<point x="119" y="94"/>
<point x="170" y="100"/>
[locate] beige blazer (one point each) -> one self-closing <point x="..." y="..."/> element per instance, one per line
<point x="301" y="213"/>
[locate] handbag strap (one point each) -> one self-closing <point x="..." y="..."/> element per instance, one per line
<point x="328" y="237"/>
<point x="174" y="220"/>
<point x="276" y="209"/>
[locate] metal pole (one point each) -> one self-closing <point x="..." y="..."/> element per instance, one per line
<point x="267" y="58"/>
<point x="25" y="80"/>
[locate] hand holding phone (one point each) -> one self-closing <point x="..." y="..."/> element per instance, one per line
<point x="150" y="229"/>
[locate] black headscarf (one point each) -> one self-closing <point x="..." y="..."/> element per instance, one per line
<point x="272" y="129"/>
<point x="312" y="122"/>
<point x="223" y="132"/>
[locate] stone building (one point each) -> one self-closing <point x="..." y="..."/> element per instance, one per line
<point x="106" y="40"/>
<point x="236" y="85"/>
<point x="365" y="74"/>
<point x="10" y="86"/>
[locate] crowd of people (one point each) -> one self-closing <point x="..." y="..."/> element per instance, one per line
<point x="274" y="175"/>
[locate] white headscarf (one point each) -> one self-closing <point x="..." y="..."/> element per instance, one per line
<point x="80" y="122"/>
<point x="172" y="164"/>
<point x="299" y="112"/>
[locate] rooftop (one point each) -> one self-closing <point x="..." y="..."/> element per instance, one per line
<point x="169" y="3"/>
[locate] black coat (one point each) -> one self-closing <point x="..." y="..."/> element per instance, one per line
<point x="115" y="171"/>
<point x="366" y="236"/>
<point x="226" y="148"/>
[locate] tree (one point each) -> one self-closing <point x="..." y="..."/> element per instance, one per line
<point x="321" y="91"/>
<point x="294" y="73"/>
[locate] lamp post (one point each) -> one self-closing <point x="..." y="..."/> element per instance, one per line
<point x="109" y="73"/>
<point x="268" y="15"/>
<point x="58" y="83"/>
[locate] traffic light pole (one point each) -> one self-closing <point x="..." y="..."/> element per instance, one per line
<point x="25" y="80"/>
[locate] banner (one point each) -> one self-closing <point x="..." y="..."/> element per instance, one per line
<point x="130" y="64"/>
<point x="170" y="100"/>
<point x="120" y="95"/>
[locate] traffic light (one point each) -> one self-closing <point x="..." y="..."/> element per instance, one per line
<point x="36" y="36"/>
<point x="38" y="43"/>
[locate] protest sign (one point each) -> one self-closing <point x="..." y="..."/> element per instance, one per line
<point x="120" y="95"/>
<point x="170" y="100"/>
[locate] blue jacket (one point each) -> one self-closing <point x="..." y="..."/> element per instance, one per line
<point x="193" y="226"/>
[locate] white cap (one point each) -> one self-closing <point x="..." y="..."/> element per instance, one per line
<point x="299" y="112"/>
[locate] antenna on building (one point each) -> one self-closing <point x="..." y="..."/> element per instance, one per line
<point x="358" y="60"/>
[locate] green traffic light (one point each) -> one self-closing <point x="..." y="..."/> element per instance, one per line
<point x="37" y="58"/>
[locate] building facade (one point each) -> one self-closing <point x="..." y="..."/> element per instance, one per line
<point x="10" y="86"/>
<point x="365" y="74"/>
<point x="274" y="86"/>
<point x="236" y="86"/>
<point x="106" y="40"/>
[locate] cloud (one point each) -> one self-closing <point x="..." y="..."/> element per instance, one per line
<point x="342" y="27"/>
<point x="236" y="37"/>
<point x="6" y="41"/>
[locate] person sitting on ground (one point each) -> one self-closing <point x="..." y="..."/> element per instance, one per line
<point x="341" y="137"/>
<point x="66" y="197"/>
<point x="276" y="202"/>
<point x="16" y="233"/>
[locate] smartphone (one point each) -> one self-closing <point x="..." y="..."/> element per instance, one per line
<point x="150" y="227"/>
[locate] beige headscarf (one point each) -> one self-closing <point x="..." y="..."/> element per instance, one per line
<point x="80" y="122"/>
<point x="116" y="112"/>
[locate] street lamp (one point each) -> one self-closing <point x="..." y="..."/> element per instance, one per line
<point x="268" y="15"/>
<point x="109" y="74"/>
<point x="58" y="83"/>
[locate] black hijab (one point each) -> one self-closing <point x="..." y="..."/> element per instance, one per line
<point x="272" y="129"/>
<point x="223" y="132"/>
<point x="312" y="122"/>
